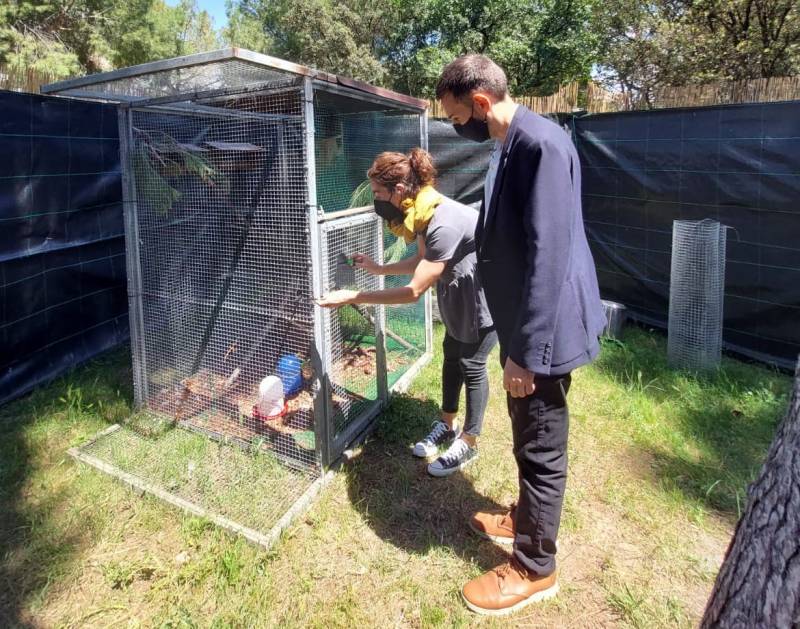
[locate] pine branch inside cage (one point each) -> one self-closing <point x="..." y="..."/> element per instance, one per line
<point x="158" y="156"/>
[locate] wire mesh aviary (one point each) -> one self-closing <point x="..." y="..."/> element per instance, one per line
<point x="238" y="171"/>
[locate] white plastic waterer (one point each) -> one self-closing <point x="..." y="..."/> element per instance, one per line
<point x="270" y="396"/>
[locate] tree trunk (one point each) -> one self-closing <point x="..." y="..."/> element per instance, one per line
<point x="759" y="582"/>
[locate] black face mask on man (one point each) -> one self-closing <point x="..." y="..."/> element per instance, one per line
<point x="473" y="129"/>
<point x="388" y="211"/>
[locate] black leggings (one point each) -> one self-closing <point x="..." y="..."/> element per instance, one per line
<point x="465" y="363"/>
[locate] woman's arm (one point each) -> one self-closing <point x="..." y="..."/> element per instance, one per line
<point x="425" y="275"/>
<point x="403" y="267"/>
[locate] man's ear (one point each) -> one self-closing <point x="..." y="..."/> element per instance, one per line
<point x="482" y="101"/>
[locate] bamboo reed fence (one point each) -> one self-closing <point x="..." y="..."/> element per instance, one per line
<point x="596" y="98"/>
<point x="571" y="97"/>
<point x="592" y="97"/>
<point x="19" y="79"/>
<point x="729" y="92"/>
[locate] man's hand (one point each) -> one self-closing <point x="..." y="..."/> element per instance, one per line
<point x="365" y="262"/>
<point x="337" y="298"/>
<point x="517" y="380"/>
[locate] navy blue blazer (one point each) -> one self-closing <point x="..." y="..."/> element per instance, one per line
<point x="533" y="258"/>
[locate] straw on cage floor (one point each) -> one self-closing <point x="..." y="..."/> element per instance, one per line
<point x="207" y="404"/>
<point x="289" y="436"/>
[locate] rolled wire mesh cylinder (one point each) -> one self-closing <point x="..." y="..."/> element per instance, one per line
<point x="697" y="282"/>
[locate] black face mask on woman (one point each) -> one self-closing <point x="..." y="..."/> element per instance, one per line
<point x="388" y="211"/>
<point x="473" y="129"/>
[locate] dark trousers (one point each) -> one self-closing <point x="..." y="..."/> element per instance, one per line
<point x="465" y="364"/>
<point x="540" y="426"/>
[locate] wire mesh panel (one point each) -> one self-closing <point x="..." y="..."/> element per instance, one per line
<point x="697" y="283"/>
<point x="406" y="325"/>
<point x="224" y="261"/>
<point x="227" y="73"/>
<point x="349" y="135"/>
<point x="247" y="491"/>
<point x="354" y="364"/>
<point x="220" y="288"/>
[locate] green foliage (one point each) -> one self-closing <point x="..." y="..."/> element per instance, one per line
<point x="21" y="48"/>
<point x="402" y="44"/>
<point x="66" y="37"/>
<point x="75" y="404"/>
<point x="540" y="43"/>
<point x="405" y="45"/>
<point x="148" y="423"/>
<point x="362" y="195"/>
<point x="418" y="73"/>
<point x="155" y="159"/>
<point x="121" y="574"/>
<point x="150" y="29"/>
<point x="231" y="565"/>
<point x="245" y="30"/>
<point x="745" y="39"/>
<point x="332" y="36"/>
<point x="644" y="46"/>
<point x="152" y="186"/>
<point x="645" y="516"/>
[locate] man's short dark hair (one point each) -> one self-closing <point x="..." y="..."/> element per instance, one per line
<point x="470" y="73"/>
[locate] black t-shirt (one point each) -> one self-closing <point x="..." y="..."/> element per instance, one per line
<point x="450" y="238"/>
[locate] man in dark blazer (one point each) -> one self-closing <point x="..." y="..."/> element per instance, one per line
<point x="541" y="286"/>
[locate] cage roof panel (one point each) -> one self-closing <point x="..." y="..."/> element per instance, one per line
<point x="229" y="68"/>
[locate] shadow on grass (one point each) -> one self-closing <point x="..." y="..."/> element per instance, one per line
<point x="15" y="521"/>
<point x="718" y="426"/>
<point x="403" y="503"/>
<point x="37" y="547"/>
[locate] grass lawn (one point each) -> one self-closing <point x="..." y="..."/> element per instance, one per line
<point x="659" y="465"/>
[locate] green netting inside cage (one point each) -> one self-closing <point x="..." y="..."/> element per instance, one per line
<point x="349" y="134"/>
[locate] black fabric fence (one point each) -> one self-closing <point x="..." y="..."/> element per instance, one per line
<point x="62" y="251"/>
<point x="462" y="164"/>
<point x="62" y="256"/>
<point x="737" y="164"/>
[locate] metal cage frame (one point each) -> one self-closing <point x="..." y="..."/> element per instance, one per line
<point x="330" y="442"/>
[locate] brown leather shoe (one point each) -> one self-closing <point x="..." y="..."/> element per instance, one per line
<point x="506" y="589"/>
<point x="497" y="526"/>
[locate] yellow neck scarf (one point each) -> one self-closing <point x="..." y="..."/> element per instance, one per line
<point x="419" y="212"/>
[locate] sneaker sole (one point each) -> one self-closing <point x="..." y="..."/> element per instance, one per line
<point x="497" y="539"/>
<point x="452" y="470"/>
<point x="544" y="595"/>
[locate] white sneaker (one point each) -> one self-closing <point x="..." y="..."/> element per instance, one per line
<point x="440" y="434"/>
<point x="457" y="457"/>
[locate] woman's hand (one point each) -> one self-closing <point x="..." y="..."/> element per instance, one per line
<point x="365" y="262"/>
<point x="337" y="298"/>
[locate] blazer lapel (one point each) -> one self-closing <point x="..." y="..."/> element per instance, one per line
<point x="487" y="219"/>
